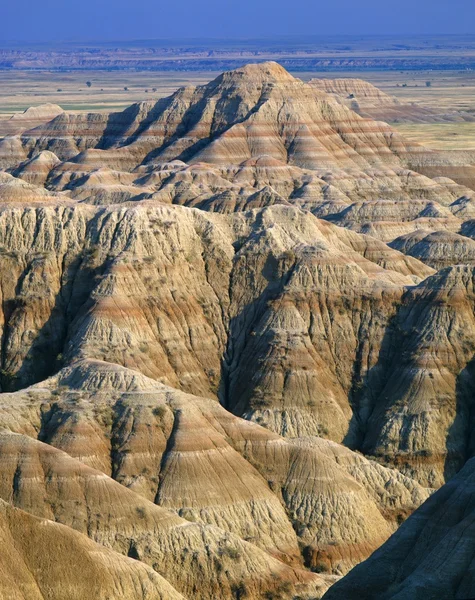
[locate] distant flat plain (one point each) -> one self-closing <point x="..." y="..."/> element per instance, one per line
<point x="448" y="91"/>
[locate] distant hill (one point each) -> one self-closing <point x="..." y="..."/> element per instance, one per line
<point x="296" y="53"/>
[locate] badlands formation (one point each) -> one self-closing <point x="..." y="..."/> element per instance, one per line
<point x="369" y="101"/>
<point x="237" y="342"/>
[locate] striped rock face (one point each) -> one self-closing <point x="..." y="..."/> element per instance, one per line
<point x="369" y="101"/>
<point x="236" y="342"/>
<point x="430" y="556"/>
<point x="205" y="496"/>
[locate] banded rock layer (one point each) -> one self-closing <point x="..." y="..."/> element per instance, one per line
<point x="256" y="522"/>
<point x="213" y="306"/>
<point x="253" y="137"/>
<point x="307" y="349"/>
<point x="369" y="101"/>
<point x="431" y="556"/>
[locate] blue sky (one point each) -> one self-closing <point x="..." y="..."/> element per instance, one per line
<point x="55" y="20"/>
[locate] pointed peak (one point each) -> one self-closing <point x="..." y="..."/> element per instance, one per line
<point x="263" y="72"/>
<point x="96" y="375"/>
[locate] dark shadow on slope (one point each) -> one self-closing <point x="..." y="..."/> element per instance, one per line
<point x="367" y="387"/>
<point x="192" y="117"/>
<point x="241" y="328"/>
<point x="459" y="436"/>
<point x="44" y="356"/>
<point x="119" y="124"/>
<point x="45" y="353"/>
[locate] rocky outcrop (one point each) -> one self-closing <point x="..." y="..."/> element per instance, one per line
<point x="18" y="191"/>
<point x="307" y="349"/>
<point x="50" y="484"/>
<point x="211" y="304"/>
<point x="369" y="101"/>
<point x="162" y="444"/>
<point x="424" y="413"/>
<point x="164" y="290"/>
<point x="439" y="249"/>
<point x="29" y="119"/>
<point x="80" y="567"/>
<point x="36" y="170"/>
<point x="253" y="137"/>
<point x="431" y="555"/>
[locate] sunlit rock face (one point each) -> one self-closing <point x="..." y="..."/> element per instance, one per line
<point x="430" y="556"/>
<point x="237" y="341"/>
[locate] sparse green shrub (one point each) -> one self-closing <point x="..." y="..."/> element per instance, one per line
<point x="320" y="568"/>
<point x="91" y="253"/>
<point x="188" y="515"/>
<point x="8" y="379"/>
<point x="159" y="411"/>
<point x="400" y="518"/>
<point x="261" y="402"/>
<point x="239" y="590"/>
<point x="289" y="256"/>
<point x="230" y="552"/>
<point x="140" y="512"/>
<point x="191" y="256"/>
<point x="106" y="418"/>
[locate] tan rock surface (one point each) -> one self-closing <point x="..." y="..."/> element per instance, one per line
<point x="430" y="557"/>
<point x="50" y="484"/>
<point x="439" y="249"/>
<point x="202" y="299"/>
<point x="165" y="292"/>
<point x="254" y="112"/>
<point x="162" y="445"/>
<point x="424" y="412"/>
<point x="41" y="560"/>
<point x="28" y="119"/>
<point x="369" y="101"/>
<point x="37" y="169"/>
<point x="304" y="350"/>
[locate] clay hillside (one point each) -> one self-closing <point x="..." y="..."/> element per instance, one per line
<point x="237" y="343"/>
<point x="369" y="101"/>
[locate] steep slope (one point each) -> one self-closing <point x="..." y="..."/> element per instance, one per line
<point x="41" y="560"/>
<point x="306" y="349"/>
<point x="37" y="169"/>
<point x="253" y="137"/>
<point x="163" y="444"/>
<point x="50" y="484"/>
<point x="439" y="249"/>
<point x="165" y="291"/>
<point x="14" y="190"/>
<point x="288" y="320"/>
<point x="199" y="307"/>
<point x="423" y="421"/>
<point x="431" y="556"/>
<point x="369" y="101"/>
<point x="229" y="117"/>
<point x="30" y="118"/>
